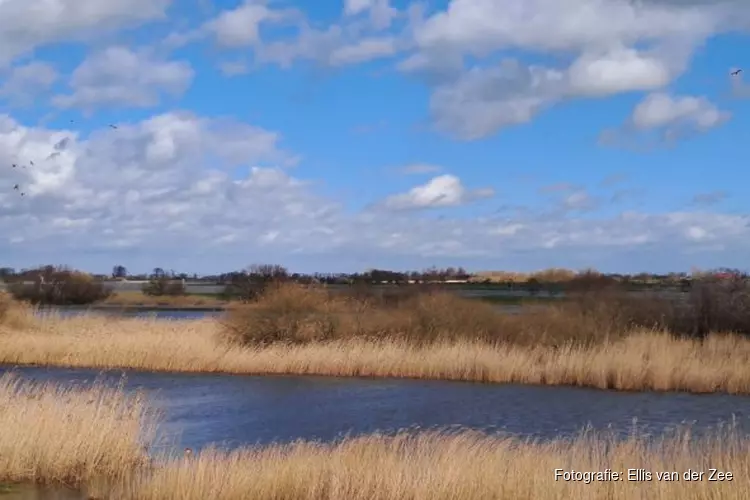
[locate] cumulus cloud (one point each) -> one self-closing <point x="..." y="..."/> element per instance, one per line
<point x="676" y="114"/>
<point x="621" y="70"/>
<point x="486" y="99"/>
<point x="381" y="12"/>
<point x="177" y="180"/>
<point x="364" y="50"/>
<point x="240" y="27"/>
<point x="481" y="26"/>
<point x="120" y="76"/>
<point x="26" y="25"/>
<point x="616" y="46"/>
<point x="661" y="119"/>
<point x="441" y="191"/>
<point x="171" y="183"/>
<point x="25" y="82"/>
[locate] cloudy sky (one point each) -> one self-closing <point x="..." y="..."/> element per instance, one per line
<point x="205" y="135"/>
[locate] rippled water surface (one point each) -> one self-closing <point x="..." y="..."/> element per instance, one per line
<point x="236" y="410"/>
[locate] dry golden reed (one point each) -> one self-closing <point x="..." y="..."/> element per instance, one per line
<point x="641" y="361"/>
<point x="50" y="433"/>
<point x="94" y="438"/>
<point x="446" y="466"/>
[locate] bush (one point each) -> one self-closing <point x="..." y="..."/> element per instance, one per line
<point x="293" y="314"/>
<point x="250" y="284"/>
<point x="61" y="287"/>
<point x="283" y="314"/>
<point x="163" y="286"/>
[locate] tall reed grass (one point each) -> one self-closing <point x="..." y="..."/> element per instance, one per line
<point x="644" y="360"/>
<point x="447" y="466"/>
<point x="94" y="438"/>
<point x="51" y="433"/>
<point x="425" y="335"/>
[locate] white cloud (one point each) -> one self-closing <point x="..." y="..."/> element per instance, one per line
<point x="486" y="99"/>
<point x="579" y="200"/>
<point x="333" y="46"/>
<point x="615" y="46"/>
<point x="660" y="110"/>
<point x="354" y="7"/>
<point x="26" y="25"/>
<point x="365" y="49"/>
<point x="168" y="185"/>
<point x="619" y="70"/>
<point x="120" y="76"/>
<point x="25" y="82"/>
<point x="240" y="27"/>
<point x="381" y="12"/>
<point x="177" y="181"/>
<point x="441" y="191"/>
<point x="481" y="26"/>
<point x="661" y="119"/>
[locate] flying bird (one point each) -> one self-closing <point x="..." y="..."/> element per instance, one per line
<point x="113" y="126"/>
<point x="736" y="72"/>
<point x="14" y="165"/>
<point x="15" y="187"/>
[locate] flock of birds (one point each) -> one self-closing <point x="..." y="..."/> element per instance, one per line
<point x="17" y="187"/>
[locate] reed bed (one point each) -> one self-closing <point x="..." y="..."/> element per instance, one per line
<point x="50" y="433"/>
<point x="95" y="438"/>
<point x="458" y="465"/>
<point x="303" y="331"/>
<point x="643" y="360"/>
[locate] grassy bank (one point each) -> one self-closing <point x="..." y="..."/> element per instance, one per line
<point x="604" y="343"/>
<point x="438" y="466"/>
<point x="93" y="438"/>
<point x="641" y="361"/>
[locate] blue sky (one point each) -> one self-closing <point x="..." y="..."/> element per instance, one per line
<point x="515" y="134"/>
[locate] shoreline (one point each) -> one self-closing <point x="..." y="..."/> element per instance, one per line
<point x="147" y="308"/>
<point x="643" y="361"/>
<point x="137" y="308"/>
<point x="11" y="369"/>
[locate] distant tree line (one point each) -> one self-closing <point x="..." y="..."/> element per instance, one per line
<point x="62" y="285"/>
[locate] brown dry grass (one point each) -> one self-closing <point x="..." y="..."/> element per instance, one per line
<point x="49" y="433"/>
<point x="643" y="360"/>
<point x="448" y="466"/>
<point x="94" y="438"/>
<point x="293" y="314"/>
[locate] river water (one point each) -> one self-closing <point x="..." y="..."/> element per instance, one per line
<point x="231" y="410"/>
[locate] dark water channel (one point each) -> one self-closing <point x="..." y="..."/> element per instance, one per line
<point x="237" y="410"/>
